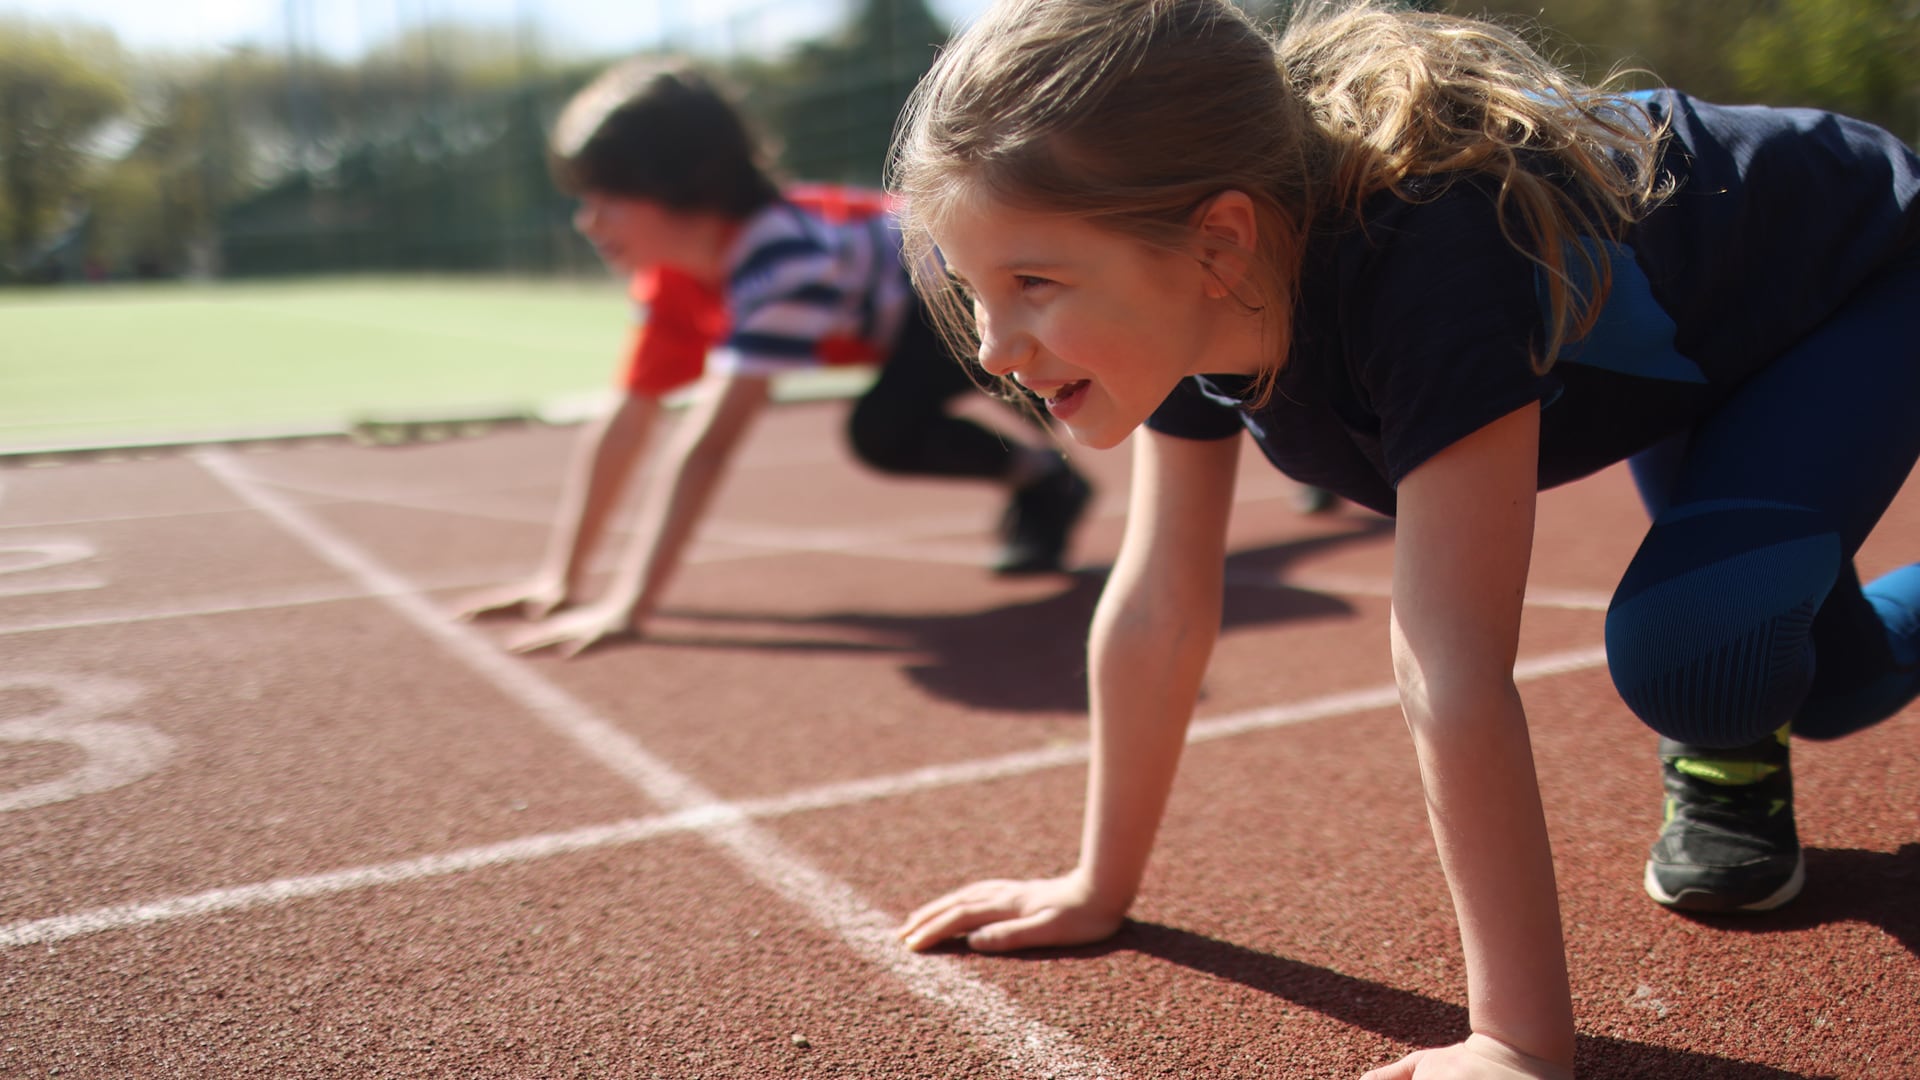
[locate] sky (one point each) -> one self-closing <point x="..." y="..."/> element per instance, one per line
<point x="346" y="27"/>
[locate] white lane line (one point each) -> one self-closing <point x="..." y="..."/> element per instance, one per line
<point x="263" y="601"/>
<point x="823" y="797"/>
<point x="911" y="540"/>
<point x="116" y="519"/>
<point x="290" y="598"/>
<point x="28" y="556"/>
<point x="47" y="588"/>
<point x="904" y="540"/>
<point x="264" y="894"/>
<point x="956" y="553"/>
<point x="983" y="1009"/>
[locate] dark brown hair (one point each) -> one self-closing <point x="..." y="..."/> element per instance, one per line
<point x="658" y="129"/>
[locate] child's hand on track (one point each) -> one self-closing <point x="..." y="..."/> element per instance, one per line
<point x="999" y="916"/>
<point x="534" y="599"/>
<point x="1481" y="1057"/>
<point x="578" y="630"/>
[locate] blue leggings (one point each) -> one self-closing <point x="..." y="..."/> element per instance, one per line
<point x="1742" y="611"/>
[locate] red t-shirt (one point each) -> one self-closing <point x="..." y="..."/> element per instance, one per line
<point x="683" y="319"/>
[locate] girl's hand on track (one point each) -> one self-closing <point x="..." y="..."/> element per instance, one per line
<point x="1000" y="916"/>
<point x="1481" y="1057"/>
<point x="578" y="630"/>
<point x="534" y="599"/>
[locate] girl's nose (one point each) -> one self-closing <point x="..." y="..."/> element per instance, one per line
<point x="998" y="355"/>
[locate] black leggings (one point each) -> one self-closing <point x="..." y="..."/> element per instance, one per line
<point x="901" y="424"/>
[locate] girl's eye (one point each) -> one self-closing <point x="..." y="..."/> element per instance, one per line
<point x="1028" y="282"/>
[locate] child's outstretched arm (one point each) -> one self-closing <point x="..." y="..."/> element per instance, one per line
<point x="1152" y="634"/>
<point x="1461" y="550"/>
<point x="723" y="410"/>
<point x="603" y="459"/>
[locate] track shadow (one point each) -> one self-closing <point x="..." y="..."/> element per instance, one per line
<point x="1844" y="885"/>
<point x="1031" y="656"/>
<point x="1400" y="1015"/>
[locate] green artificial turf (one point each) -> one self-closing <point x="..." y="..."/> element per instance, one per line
<point x="124" y="364"/>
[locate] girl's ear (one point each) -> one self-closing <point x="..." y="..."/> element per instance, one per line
<point x="1226" y="231"/>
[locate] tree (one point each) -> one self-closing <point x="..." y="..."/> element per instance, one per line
<point x="1854" y="56"/>
<point x="832" y="106"/>
<point x="58" y="90"/>
<point x="1860" y="57"/>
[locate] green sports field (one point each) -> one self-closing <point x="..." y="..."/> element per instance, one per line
<point x="127" y="364"/>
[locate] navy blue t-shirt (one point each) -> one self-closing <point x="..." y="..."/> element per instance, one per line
<point x="1417" y="326"/>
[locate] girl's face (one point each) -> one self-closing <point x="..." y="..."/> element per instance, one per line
<point x="1098" y="324"/>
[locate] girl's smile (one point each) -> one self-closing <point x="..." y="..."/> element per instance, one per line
<point x="1097" y="324"/>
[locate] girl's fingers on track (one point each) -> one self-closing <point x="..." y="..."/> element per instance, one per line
<point x="929" y="910"/>
<point x="476" y="606"/>
<point x="574" y="632"/>
<point x="1027" y="931"/>
<point x="566" y="639"/>
<point x="581" y="643"/>
<point x="531" y="601"/>
<point x="1002" y="916"/>
<point x="957" y="913"/>
<point x="1399" y="1070"/>
<point x="1479" y="1058"/>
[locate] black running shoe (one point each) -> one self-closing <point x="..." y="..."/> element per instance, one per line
<point x="1040" y="520"/>
<point x="1728" y="843"/>
<point x="1315" y="500"/>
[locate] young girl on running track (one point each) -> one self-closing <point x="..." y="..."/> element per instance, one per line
<point x="742" y="281"/>
<point x="1431" y="273"/>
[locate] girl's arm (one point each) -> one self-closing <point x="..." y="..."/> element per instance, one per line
<point x="1461" y="550"/>
<point x="1152" y="634"/>
<point x="603" y="459"/>
<point x="702" y="447"/>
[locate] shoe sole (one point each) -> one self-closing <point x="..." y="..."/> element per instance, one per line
<point x="1704" y="900"/>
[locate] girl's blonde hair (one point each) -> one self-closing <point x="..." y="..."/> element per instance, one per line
<point x="1131" y="114"/>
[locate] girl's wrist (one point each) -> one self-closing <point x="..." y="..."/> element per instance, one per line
<point x="1112" y="900"/>
<point x="1511" y="1057"/>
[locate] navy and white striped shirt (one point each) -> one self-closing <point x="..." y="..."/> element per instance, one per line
<point x="802" y="291"/>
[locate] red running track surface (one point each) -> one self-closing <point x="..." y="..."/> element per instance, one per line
<point x="265" y="812"/>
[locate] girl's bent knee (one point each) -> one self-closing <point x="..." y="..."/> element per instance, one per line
<point x="1719" y="652"/>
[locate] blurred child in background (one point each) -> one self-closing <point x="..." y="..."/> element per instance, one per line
<point x="741" y="282"/>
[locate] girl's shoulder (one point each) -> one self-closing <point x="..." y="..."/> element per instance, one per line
<point x="1446" y="227"/>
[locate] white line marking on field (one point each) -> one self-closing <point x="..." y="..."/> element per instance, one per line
<point x="905" y="540"/>
<point x="28" y="556"/>
<point x="262" y="601"/>
<point x="115" y="519"/>
<point x="79" y="584"/>
<point x="823" y="797"/>
<point x="116" y="754"/>
<point x="25" y="556"/>
<point x="239" y="898"/>
<point x="985" y="1010"/>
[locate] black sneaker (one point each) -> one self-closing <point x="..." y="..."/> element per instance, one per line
<point x="1315" y="500"/>
<point x="1040" y="520"/>
<point x="1728" y="843"/>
